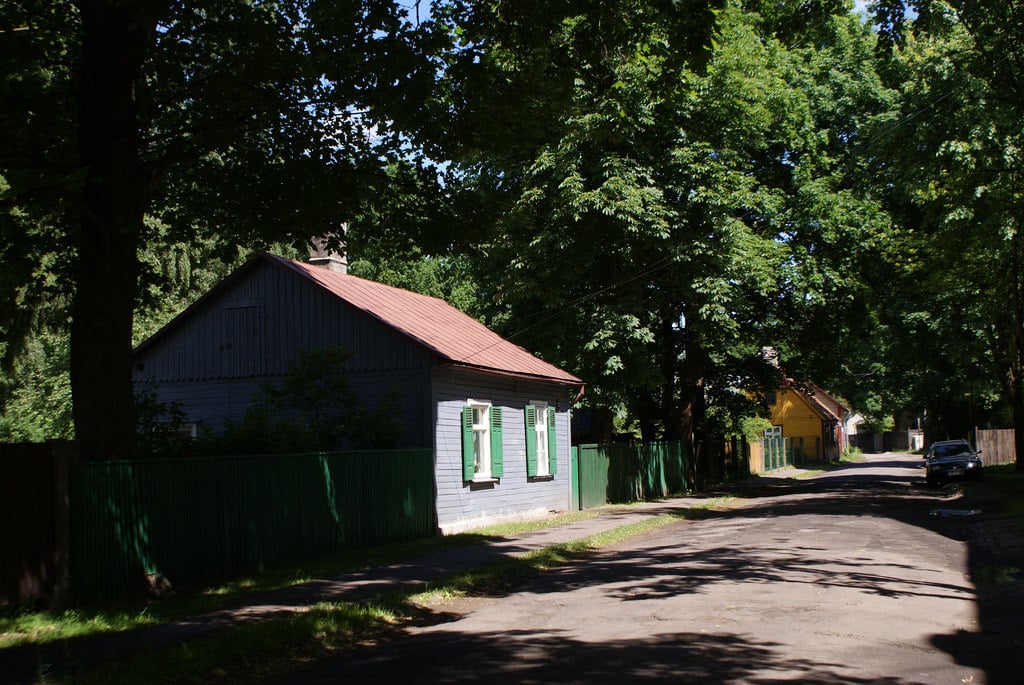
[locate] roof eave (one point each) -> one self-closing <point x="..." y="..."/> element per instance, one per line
<point x="570" y="382"/>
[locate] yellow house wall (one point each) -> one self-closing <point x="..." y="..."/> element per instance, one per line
<point x="798" y="420"/>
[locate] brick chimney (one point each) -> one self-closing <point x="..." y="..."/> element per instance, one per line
<point x="321" y="254"/>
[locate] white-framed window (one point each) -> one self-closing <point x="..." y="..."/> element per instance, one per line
<point x="188" y="430"/>
<point x="481" y="442"/>
<point x="541" y="442"/>
<point x="773" y="432"/>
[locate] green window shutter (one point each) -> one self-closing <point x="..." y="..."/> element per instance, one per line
<point x="531" y="440"/>
<point x="497" y="464"/>
<point x="552" y="442"/>
<point x="468" y="458"/>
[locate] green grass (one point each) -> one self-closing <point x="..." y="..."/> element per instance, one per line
<point x="21" y="626"/>
<point x="255" y="651"/>
<point x="851" y="455"/>
<point x="498" y="577"/>
<point x="42" y="627"/>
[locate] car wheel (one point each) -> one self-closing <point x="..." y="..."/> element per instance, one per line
<point x="933" y="482"/>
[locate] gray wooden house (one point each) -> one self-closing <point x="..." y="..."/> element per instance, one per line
<point x="495" y="415"/>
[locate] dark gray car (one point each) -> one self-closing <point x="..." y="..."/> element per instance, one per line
<point x="952" y="459"/>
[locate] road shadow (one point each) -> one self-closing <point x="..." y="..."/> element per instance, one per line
<point x="523" y="656"/>
<point x="968" y="512"/>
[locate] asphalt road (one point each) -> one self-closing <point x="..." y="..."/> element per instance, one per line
<point x="856" y="576"/>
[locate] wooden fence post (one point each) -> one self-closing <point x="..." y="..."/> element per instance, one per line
<point x="62" y="453"/>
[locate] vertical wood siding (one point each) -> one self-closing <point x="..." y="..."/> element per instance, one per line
<point x="260" y="322"/>
<point x="997" y="446"/>
<point x="460" y="503"/>
<point x="216" y="358"/>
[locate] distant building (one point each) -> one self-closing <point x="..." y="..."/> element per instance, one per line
<point x="810" y="419"/>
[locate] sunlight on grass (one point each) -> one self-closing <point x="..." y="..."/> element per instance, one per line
<point x="497" y="577"/>
<point x="39" y="627"/>
<point x="808" y="474"/>
<point x="851" y="455"/>
<point x="257" y="650"/>
<point x="42" y="627"/>
<point x="507" y="529"/>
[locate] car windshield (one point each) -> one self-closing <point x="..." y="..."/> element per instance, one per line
<point x="951" y="450"/>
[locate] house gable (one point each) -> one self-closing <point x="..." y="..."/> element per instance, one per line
<point x="796" y="415"/>
<point x="811" y="420"/>
<point x="252" y="325"/>
<point x="213" y="358"/>
<point x="244" y="332"/>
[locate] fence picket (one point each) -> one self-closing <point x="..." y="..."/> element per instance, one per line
<point x="618" y="473"/>
<point x="997" y="446"/>
<point x="203" y="520"/>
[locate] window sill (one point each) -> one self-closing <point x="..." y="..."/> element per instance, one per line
<point x="481" y="483"/>
<point x="540" y="479"/>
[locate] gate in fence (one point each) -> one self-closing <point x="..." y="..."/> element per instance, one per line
<point x="778" y="452"/>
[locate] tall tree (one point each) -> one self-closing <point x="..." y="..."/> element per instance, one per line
<point x="656" y="205"/>
<point x="245" y="121"/>
<point x="956" y="171"/>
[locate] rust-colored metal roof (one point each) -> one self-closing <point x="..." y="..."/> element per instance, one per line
<point x="834" y="406"/>
<point x="824" y="404"/>
<point x="451" y="335"/>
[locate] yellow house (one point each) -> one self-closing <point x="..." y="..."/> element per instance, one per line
<point x="809" y="419"/>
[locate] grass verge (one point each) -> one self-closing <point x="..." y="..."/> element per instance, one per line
<point x="275" y="646"/>
<point x="26" y="626"/>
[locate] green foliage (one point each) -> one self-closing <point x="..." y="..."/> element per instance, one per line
<point x="158" y="425"/>
<point x="877" y="424"/>
<point x="226" y="124"/>
<point x="645" y="193"/>
<point x="851" y="454"/>
<point x="676" y="197"/>
<point x="951" y="161"/>
<point x="753" y="427"/>
<point x="378" y="429"/>
<point x="446" y="278"/>
<point x="35" y="394"/>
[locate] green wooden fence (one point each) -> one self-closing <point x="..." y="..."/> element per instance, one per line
<point x="613" y="474"/>
<point x="779" y="452"/>
<point x="202" y="520"/>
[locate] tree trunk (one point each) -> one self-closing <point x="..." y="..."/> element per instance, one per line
<point x="1015" y="382"/>
<point x="689" y="409"/>
<point x="669" y="362"/>
<point x="1018" y="430"/>
<point x="646" y="412"/>
<point x="114" y="39"/>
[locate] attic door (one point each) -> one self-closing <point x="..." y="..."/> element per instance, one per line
<point x="241" y="347"/>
